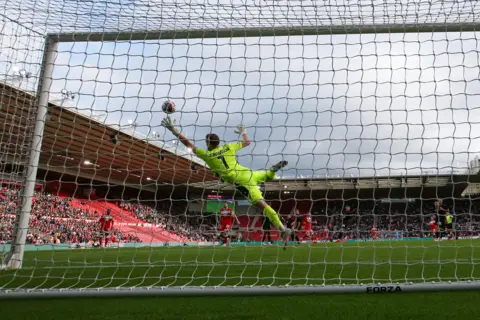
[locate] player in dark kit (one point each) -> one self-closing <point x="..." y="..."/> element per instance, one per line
<point x="299" y="221"/>
<point x="440" y="212"/>
<point x="292" y="225"/>
<point x="266" y="225"/>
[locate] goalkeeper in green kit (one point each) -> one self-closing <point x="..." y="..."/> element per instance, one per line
<point x="223" y="161"/>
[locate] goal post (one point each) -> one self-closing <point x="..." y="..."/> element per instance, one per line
<point x="62" y="277"/>
<point x="15" y="258"/>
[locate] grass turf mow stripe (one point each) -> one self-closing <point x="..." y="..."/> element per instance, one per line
<point x="306" y="264"/>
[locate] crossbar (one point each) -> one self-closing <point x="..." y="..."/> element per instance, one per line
<point x="261" y="32"/>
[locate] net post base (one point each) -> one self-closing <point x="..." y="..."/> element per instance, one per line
<point x="12" y="261"/>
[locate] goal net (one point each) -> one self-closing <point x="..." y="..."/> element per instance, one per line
<point x="373" y="105"/>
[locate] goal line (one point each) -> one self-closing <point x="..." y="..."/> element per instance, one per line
<point x="239" y="291"/>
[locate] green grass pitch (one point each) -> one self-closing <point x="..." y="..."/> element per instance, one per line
<point x="326" y="263"/>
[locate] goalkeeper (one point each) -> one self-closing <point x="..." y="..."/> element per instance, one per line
<point x="223" y="161"/>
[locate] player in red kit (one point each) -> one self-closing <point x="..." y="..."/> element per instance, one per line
<point x="375" y="233"/>
<point x="433" y="227"/>
<point x="226" y="221"/>
<point x="106" y="225"/>
<point x="307" y="226"/>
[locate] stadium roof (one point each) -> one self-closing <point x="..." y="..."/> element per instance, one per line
<point x="423" y="186"/>
<point x="76" y="145"/>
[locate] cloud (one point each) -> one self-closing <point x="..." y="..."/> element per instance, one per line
<point x="21" y="49"/>
<point x="395" y="104"/>
<point x="353" y="104"/>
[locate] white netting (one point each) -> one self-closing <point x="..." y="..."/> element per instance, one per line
<point x="121" y="16"/>
<point x="20" y="57"/>
<point x="375" y="127"/>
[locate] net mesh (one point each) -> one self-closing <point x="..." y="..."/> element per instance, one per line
<point x="125" y="16"/>
<point x="377" y="129"/>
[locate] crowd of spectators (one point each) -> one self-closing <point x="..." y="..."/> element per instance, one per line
<point x="54" y="206"/>
<point x="54" y="220"/>
<point x="356" y="220"/>
<point x="175" y="218"/>
<point x="407" y="219"/>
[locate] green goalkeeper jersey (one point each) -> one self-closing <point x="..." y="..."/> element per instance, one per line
<point x="222" y="160"/>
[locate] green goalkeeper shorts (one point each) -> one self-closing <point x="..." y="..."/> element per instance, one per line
<point x="246" y="183"/>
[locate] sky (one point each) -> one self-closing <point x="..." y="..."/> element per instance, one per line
<point x="380" y="104"/>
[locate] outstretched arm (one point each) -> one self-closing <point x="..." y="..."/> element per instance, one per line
<point x="170" y="125"/>
<point x="241" y="130"/>
<point x="183" y="139"/>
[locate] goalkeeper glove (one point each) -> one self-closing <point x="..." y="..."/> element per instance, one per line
<point x="240" y="129"/>
<point x="169" y="123"/>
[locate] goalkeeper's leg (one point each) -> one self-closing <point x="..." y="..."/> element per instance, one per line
<point x="270" y="174"/>
<point x="247" y="184"/>
<point x="278" y="166"/>
<point x="256" y="198"/>
<point x="272" y="215"/>
<point x="253" y="194"/>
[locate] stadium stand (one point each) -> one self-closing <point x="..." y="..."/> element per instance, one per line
<point x="54" y="219"/>
<point x="403" y="219"/>
<point x="63" y="219"/>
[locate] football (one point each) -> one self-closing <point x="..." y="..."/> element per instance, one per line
<point x="168" y="107"/>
